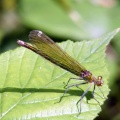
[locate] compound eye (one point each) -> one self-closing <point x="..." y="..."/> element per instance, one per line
<point x="100" y="81"/>
<point x="99" y="77"/>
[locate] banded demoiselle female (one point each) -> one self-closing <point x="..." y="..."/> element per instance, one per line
<point x="48" y="49"/>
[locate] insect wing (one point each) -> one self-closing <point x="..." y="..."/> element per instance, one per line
<point x="47" y="48"/>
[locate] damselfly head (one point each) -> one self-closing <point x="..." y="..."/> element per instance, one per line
<point x="99" y="81"/>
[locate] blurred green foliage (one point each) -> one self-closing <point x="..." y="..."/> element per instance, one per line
<point x="67" y="19"/>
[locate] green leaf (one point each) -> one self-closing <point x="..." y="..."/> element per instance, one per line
<point x="76" y="20"/>
<point x="30" y="85"/>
